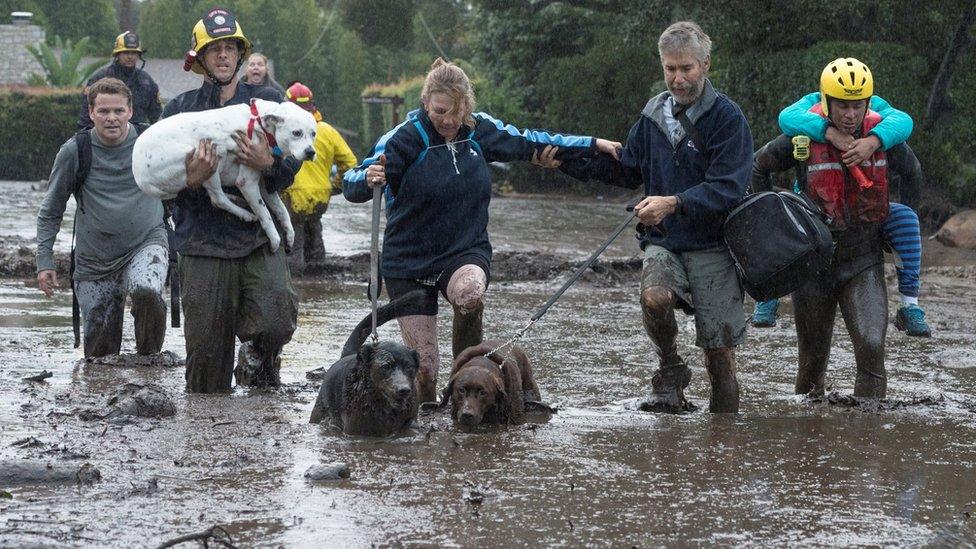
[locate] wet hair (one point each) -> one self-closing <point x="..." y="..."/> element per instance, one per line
<point x="108" y="86"/>
<point x="685" y="37"/>
<point x="450" y="79"/>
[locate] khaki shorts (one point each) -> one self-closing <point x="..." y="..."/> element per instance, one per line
<point x="707" y="286"/>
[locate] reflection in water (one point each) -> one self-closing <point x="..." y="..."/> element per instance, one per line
<point x="783" y="472"/>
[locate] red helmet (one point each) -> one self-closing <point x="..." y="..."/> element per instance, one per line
<point x="300" y="94"/>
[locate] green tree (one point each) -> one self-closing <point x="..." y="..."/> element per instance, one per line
<point x="80" y="18"/>
<point x="63" y="70"/>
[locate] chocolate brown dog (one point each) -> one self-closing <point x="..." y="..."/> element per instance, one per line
<point x="490" y="390"/>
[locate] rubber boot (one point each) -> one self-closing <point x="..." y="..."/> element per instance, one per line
<point x="720" y="364"/>
<point x="468" y="329"/>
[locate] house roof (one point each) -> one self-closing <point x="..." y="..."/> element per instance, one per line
<point x="170" y="76"/>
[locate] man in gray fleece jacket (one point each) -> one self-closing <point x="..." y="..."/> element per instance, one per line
<point x="121" y="248"/>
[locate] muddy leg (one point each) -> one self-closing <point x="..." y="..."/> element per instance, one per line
<point x="145" y="279"/>
<point x="815" y="307"/>
<point x="315" y="246"/>
<point x="102" y="304"/>
<point x="420" y="334"/>
<point x="267" y="317"/>
<point x="466" y="291"/>
<point x="672" y="375"/>
<point x="720" y="364"/>
<point x="211" y="297"/>
<point x="298" y="255"/>
<point x="864" y="304"/>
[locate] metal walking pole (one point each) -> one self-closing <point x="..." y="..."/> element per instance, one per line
<point x="374" y="255"/>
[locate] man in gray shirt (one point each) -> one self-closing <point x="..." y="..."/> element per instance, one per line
<point x="121" y="247"/>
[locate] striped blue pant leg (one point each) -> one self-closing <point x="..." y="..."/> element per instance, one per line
<point x="902" y="233"/>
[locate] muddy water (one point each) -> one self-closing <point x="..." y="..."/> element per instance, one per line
<point x="784" y="471"/>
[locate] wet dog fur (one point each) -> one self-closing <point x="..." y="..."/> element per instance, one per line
<point x="371" y="390"/>
<point x="490" y="390"/>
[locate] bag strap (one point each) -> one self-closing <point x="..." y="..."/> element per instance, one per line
<point x="682" y="117"/>
<point x="84" y="144"/>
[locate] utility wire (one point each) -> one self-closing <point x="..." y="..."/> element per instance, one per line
<point x="431" y="35"/>
<point x="325" y="27"/>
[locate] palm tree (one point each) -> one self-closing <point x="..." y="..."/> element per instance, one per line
<point x="63" y="71"/>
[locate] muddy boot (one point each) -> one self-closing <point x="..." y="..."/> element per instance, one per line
<point x="720" y="364"/>
<point x="467" y="329"/>
<point x="668" y="388"/>
<point x="255" y="369"/>
<point x="673" y="376"/>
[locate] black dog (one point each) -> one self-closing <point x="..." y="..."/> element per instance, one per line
<point x="371" y="390"/>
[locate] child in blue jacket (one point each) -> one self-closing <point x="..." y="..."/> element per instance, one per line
<point x="901" y="229"/>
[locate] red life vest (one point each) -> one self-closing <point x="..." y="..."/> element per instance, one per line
<point x="835" y="190"/>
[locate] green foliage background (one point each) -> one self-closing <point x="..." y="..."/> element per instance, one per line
<point x="35" y="124"/>
<point x="582" y="66"/>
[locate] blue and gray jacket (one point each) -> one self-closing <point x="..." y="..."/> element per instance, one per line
<point x="437" y="192"/>
<point x="668" y="163"/>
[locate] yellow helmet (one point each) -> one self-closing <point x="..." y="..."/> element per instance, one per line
<point x="127" y="41"/>
<point x="217" y="24"/>
<point x="845" y="78"/>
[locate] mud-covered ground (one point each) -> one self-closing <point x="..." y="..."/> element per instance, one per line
<point x="785" y="471"/>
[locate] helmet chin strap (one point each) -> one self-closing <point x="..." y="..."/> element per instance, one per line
<point x="218" y="82"/>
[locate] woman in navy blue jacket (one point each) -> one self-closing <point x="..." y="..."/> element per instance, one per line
<point x="435" y="167"/>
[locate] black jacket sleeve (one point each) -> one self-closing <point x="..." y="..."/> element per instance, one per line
<point x="625" y="172"/>
<point x="902" y="161"/>
<point x="774" y="157"/>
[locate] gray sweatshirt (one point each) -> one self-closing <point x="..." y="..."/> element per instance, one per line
<point x="118" y="219"/>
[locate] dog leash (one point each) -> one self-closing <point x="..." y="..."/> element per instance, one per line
<point x="552" y="300"/>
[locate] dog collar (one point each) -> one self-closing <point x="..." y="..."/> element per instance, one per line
<point x="256" y="119"/>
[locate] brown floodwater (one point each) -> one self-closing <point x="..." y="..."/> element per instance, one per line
<point x="784" y="471"/>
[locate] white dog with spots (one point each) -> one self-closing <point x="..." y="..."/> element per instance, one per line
<point x="159" y="156"/>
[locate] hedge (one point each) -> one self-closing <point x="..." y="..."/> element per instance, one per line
<point x="34" y="123"/>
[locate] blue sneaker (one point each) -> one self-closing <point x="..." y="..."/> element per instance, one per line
<point x="764" y="316"/>
<point x="911" y="320"/>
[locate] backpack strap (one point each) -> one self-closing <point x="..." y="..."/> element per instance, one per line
<point x="83" y="141"/>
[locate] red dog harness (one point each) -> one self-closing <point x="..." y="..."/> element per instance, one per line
<point x="843" y="196"/>
<point x="256" y="120"/>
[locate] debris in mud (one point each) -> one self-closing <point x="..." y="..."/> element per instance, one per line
<point x="317" y="374"/>
<point x="216" y="535"/>
<point x="165" y="359"/>
<point x="151" y="487"/>
<point x="16" y="472"/>
<point x="40" y="377"/>
<point x="28" y="442"/>
<point x="134" y="400"/>
<point x="329" y="471"/>
<point x="505" y="266"/>
<point x="874" y="405"/>
<point x="475" y="494"/>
